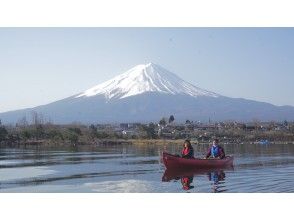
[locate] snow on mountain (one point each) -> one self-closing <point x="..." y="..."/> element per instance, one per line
<point x="145" y="78"/>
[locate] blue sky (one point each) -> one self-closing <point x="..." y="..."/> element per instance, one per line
<point x="41" y="65"/>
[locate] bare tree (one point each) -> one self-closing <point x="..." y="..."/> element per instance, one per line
<point x="37" y="118"/>
<point x="162" y="122"/>
<point x="22" y="122"/>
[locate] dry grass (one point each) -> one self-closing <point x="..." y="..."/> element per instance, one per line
<point x="156" y="142"/>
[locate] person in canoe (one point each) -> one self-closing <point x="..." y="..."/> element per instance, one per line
<point x="188" y="151"/>
<point x="216" y="151"/>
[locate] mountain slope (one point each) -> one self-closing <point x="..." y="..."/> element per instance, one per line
<point x="146" y="93"/>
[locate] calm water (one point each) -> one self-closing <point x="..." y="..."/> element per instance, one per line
<point x="258" y="168"/>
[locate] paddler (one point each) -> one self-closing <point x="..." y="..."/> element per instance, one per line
<point x="216" y="151"/>
<point x="188" y="151"/>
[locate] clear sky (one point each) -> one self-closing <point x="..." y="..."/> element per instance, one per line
<point x="41" y="65"/>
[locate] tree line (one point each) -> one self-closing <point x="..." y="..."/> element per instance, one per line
<point x="40" y="131"/>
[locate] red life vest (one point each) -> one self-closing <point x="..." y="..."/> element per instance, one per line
<point x="185" y="151"/>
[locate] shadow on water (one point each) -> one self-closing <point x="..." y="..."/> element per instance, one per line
<point x="215" y="177"/>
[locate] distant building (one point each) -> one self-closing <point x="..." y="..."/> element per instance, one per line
<point x="205" y="127"/>
<point x="129" y="125"/>
<point x="128" y="133"/>
<point x="124" y="125"/>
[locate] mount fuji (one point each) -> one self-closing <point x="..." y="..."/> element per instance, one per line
<point x="146" y="93"/>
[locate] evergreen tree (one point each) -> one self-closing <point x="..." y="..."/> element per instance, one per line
<point x="171" y="119"/>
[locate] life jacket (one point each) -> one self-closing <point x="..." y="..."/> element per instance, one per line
<point x="186" y="151"/>
<point x="214" y="150"/>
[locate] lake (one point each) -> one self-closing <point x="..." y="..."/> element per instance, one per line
<point x="110" y="169"/>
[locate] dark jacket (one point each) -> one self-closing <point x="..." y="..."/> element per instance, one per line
<point x="220" y="153"/>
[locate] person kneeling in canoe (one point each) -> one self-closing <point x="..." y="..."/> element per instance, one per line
<point x="216" y="151"/>
<point x="188" y="151"/>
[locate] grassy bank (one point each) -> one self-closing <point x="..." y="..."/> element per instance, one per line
<point x="144" y="135"/>
<point x="133" y="142"/>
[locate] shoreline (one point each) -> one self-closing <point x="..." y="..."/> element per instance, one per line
<point x="134" y="142"/>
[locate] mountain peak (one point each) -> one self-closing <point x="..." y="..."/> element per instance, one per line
<point x="143" y="78"/>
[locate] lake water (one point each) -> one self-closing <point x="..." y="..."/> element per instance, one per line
<point x="257" y="168"/>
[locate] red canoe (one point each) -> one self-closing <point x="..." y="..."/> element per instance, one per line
<point x="172" y="161"/>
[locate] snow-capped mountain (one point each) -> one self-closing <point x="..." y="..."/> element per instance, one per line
<point x="145" y="78"/>
<point x="147" y="93"/>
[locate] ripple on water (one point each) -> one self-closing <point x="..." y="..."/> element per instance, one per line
<point x="24" y="172"/>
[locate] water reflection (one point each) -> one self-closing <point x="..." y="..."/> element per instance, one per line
<point x="215" y="177"/>
<point x="257" y="168"/>
<point x="218" y="179"/>
<point x="186" y="182"/>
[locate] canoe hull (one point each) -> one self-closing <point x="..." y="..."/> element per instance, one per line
<point x="173" y="162"/>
